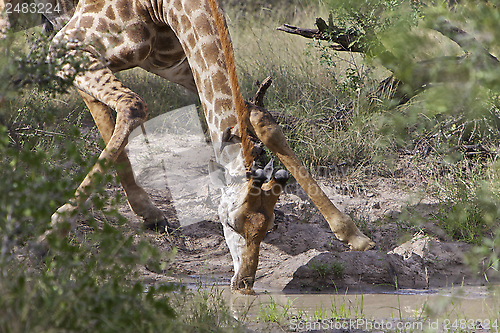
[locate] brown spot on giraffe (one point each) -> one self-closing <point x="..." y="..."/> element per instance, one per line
<point x="223" y="106"/>
<point x="138" y="33"/>
<point x="191" y="41"/>
<point x="211" y="117"/>
<point x="208" y="88"/>
<point x="228" y="121"/>
<point x="192" y="6"/>
<point x="102" y="25"/>
<point x="86" y="22"/>
<point x="110" y="13"/>
<point x="178" y="6"/>
<point x="71" y="25"/>
<point x="174" y="20"/>
<point x="218" y="80"/>
<point x="140" y="9"/>
<point x="210" y="54"/>
<point x="203" y="26"/>
<point x="94" y="7"/>
<point x="198" y="59"/>
<point x="124" y="10"/>
<point x="185" y="24"/>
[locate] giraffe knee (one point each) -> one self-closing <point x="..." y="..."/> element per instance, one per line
<point x="134" y="106"/>
<point x="265" y="127"/>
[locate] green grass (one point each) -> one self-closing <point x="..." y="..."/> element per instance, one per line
<point x="324" y="269"/>
<point x="274" y="312"/>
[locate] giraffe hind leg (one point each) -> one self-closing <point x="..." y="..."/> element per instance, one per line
<point x="139" y="201"/>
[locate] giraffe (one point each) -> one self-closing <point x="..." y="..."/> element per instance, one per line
<point x="186" y="42"/>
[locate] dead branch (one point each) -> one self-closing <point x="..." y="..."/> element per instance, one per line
<point x="259" y="95"/>
<point x="307" y="33"/>
<point x="418" y="75"/>
<point x="344" y="41"/>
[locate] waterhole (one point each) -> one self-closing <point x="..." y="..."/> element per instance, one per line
<point x="446" y="309"/>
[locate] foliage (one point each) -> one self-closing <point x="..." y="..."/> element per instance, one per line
<point x="41" y="66"/>
<point x="470" y="201"/>
<point x="205" y="310"/>
<point x="443" y="105"/>
<point x="86" y="284"/>
<point x="275" y="312"/>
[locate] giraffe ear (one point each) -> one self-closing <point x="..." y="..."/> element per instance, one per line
<point x="268" y="169"/>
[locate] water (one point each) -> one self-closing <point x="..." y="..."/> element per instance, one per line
<point x="470" y="302"/>
<point x="458" y="309"/>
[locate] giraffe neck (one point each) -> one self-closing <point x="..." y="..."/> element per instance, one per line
<point x="241" y="109"/>
<point x="196" y="29"/>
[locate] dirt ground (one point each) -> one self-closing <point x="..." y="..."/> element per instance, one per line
<point x="300" y="253"/>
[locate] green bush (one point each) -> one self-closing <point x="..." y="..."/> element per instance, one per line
<point x="443" y="107"/>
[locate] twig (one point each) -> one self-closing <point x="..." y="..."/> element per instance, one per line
<point x="259" y="95"/>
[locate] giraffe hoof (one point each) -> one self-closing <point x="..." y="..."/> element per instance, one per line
<point x="160" y="227"/>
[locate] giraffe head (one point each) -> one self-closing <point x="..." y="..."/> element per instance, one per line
<point x="247" y="213"/>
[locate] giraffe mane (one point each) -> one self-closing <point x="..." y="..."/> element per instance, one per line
<point x="241" y="108"/>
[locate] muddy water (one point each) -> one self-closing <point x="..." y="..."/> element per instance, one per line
<point x="471" y="302"/>
<point x="443" y="307"/>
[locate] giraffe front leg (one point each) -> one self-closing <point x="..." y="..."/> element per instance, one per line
<point x="271" y="135"/>
<point x="139" y="201"/>
<point x="131" y="111"/>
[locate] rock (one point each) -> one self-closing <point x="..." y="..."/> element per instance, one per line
<point x="444" y="261"/>
<point x="283" y="273"/>
<point x="419" y="245"/>
<point x="359" y="271"/>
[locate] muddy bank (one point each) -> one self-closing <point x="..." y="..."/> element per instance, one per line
<point x="302" y="254"/>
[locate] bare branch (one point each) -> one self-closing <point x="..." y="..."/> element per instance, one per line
<point x="467" y="42"/>
<point x="259" y="95"/>
<point x="336" y="35"/>
<point x="416" y="75"/>
<point x="308" y="33"/>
